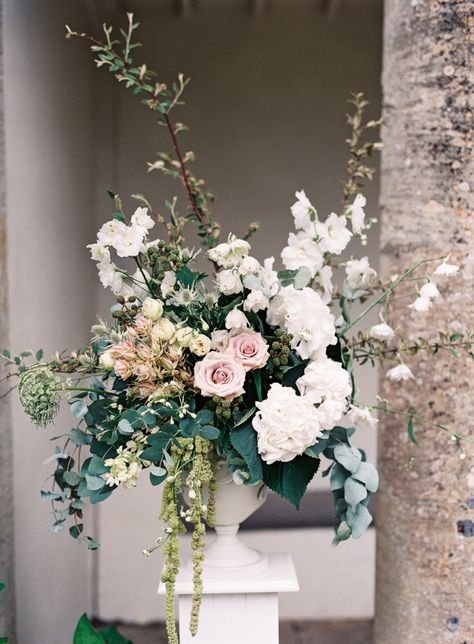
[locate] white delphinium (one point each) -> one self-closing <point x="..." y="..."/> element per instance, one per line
<point x="99" y="252"/>
<point x="381" y="331"/>
<point x="110" y="232"/>
<point x="400" y="372"/>
<point x="303" y="314"/>
<point x="361" y="417"/>
<point x="141" y="218"/>
<point x="326" y="384"/>
<point x="167" y="283"/>
<point x="302" y="251"/>
<point x="323" y="280"/>
<point x="129" y="242"/>
<point x="256" y="301"/>
<point x="249" y="265"/>
<point x="236" y="321"/>
<point x="262" y="278"/>
<point x="359" y="273"/>
<point x="110" y="277"/>
<point x="229" y="254"/>
<point x="303" y="211"/>
<point x="334" y="234"/>
<point x="229" y="282"/>
<point x="445" y="269"/>
<point x="286" y="424"/>
<point x="356" y="213"/>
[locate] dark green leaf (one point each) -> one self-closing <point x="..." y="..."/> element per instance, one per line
<point x="76" y="530"/>
<point x="244" y="440"/>
<point x="209" y="432"/>
<point x="291" y="479"/>
<point x="112" y="636"/>
<point x="79" y="438"/>
<point x="411" y="430"/>
<point x="85" y="633"/>
<point x="71" y="478"/>
<point x="204" y="417"/>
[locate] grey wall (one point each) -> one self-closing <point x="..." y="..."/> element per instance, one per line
<point x="50" y="173"/>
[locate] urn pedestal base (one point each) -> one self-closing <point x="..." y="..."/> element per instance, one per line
<point x="236" y="609"/>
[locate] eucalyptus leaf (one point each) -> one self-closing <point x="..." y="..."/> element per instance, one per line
<point x="349" y="457"/>
<point x="354" y="492"/>
<point x="78" y="409"/>
<point x="359" y="520"/>
<point x="302" y="277"/>
<point x="368" y="475"/>
<point x="209" y="432"/>
<point x="71" y="478"/>
<point x="125" y="427"/>
<point x="94" y="482"/>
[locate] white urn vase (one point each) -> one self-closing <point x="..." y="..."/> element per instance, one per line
<point x="227" y="556"/>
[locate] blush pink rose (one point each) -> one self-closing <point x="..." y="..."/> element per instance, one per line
<point x="219" y="374"/>
<point x="249" y="348"/>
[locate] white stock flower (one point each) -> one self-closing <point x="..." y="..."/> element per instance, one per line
<point x="303" y="314"/>
<point x="130" y="241"/>
<point x="361" y="418"/>
<point x="302" y="251"/>
<point x="110" y="232"/>
<point x="99" y="252"/>
<point x="446" y="269"/>
<point x="152" y="309"/>
<point x="357" y="214"/>
<point x="334" y="234"/>
<point x="229" y="254"/>
<point x="167" y="283"/>
<point x="302" y="210"/>
<point x="256" y="301"/>
<point x="236" y="320"/>
<point x="286" y="425"/>
<point x="381" y="331"/>
<point x="359" y="273"/>
<point x="400" y="372"/>
<point x="229" y="282"/>
<point x="141" y="218"/>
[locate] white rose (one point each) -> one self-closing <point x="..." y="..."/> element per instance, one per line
<point x="184" y="335"/>
<point x="106" y="361"/>
<point x="152" y="309"/>
<point x="141" y="218"/>
<point x="302" y="251"/>
<point x="256" y="301"/>
<point x="382" y="331"/>
<point x="200" y="345"/>
<point x="163" y="329"/>
<point x="359" y="273"/>
<point x="236" y="320"/>
<point x="229" y="282"/>
<point x="286" y="424"/>
<point x="400" y="372"/>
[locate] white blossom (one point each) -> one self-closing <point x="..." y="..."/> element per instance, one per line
<point x="334" y="234"/>
<point x="256" y="301"/>
<point x="286" y="424"/>
<point x="429" y="290"/>
<point x="130" y="241"/>
<point x="249" y="265"/>
<point x="302" y="251"/>
<point x="99" y="252"/>
<point x="236" y="320"/>
<point x="421" y="304"/>
<point x="229" y="254"/>
<point x="229" y="282"/>
<point x="220" y="340"/>
<point x="302" y="210"/>
<point x="110" y="232"/>
<point x="167" y="283"/>
<point x="109" y="276"/>
<point x="152" y="309"/>
<point x="446" y="269"/>
<point x="361" y="418"/>
<point x="359" y="273"/>
<point x="323" y="279"/>
<point x="381" y="331"/>
<point x="357" y="214"/>
<point x="141" y="218"/>
<point x="400" y="372"/>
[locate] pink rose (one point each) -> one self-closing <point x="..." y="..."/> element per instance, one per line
<point x="249" y="348"/>
<point x="219" y="374"/>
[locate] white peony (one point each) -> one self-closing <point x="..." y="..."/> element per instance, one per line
<point x="229" y="282"/>
<point x="302" y="211"/>
<point x="141" y="218"/>
<point x="359" y="273"/>
<point x="334" y="234"/>
<point x="303" y="314"/>
<point x="256" y="301"/>
<point x="302" y="251"/>
<point x="325" y="379"/>
<point x="356" y="213"/>
<point x="286" y="425"/>
<point x="167" y="283"/>
<point x="400" y="372"/>
<point x="152" y="309"/>
<point x="382" y="331"/>
<point x="229" y="254"/>
<point x="236" y="321"/>
<point x="361" y="418"/>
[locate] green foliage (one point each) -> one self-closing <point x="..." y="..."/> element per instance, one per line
<point x="291" y="479"/>
<point x="85" y="633"/>
<point x="244" y="440"/>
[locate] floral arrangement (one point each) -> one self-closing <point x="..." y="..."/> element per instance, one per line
<point x="243" y="364"/>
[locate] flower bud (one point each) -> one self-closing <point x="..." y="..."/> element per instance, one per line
<point x="152" y="309"/>
<point x="106" y="361"/>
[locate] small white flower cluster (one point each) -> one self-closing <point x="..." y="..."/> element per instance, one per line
<point x="125" y="468"/>
<point x="429" y="291"/>
<point x="127" y="241"/>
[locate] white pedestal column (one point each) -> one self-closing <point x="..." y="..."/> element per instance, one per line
<point x="236" y="610"/>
